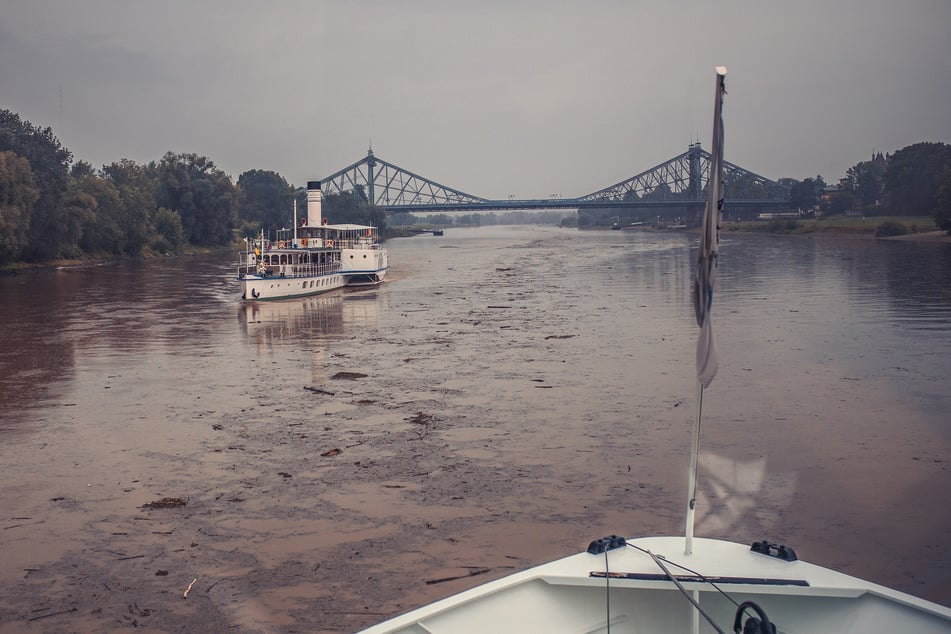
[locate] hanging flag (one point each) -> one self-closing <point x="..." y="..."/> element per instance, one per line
<point x="706" y="275"/>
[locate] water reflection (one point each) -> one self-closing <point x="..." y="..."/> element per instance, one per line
<point x="308" y="318"/>
<point x="912" y="278"/>
<point x="268" y="322"/>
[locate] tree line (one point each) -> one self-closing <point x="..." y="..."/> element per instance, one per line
<point x="914" y="181"/>
<point x="52" y="208"/>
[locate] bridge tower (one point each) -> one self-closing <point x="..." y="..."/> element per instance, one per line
<point x="371" y="163"/>
<point x="695" y="171"/>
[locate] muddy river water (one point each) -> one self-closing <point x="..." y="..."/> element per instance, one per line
<point x="510" y="394"/>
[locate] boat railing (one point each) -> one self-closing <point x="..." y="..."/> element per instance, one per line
<point x="262" y="269"/>
<point x="361" y="242"/>
<point x="340" y="242"/>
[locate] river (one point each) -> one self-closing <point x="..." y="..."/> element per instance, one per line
<point x="509" y="394"/>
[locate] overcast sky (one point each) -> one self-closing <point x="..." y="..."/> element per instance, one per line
<point x="494" y="98"/>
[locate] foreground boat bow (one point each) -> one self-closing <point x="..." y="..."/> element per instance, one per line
<point x="625" y="590"/>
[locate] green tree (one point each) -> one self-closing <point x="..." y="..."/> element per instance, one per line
<point x="203" y="196"/>
<point x="805" y="194"/>
<point x="661" y="192"/>
<point x="349" y="207"/>
<point x="842" y="201"/>
<point x="18" y="194"/>
<point x="102" y="232"/>
<point x="943" y="199"/>
<point x="49" y="161"/>
<point x="743" y="186"/>
<point x="912" y="178"/>
<point x="361" y="194"/>
<point x="136" y="185"/>
<point x="266" y="199"/>
<point x="81" y="168"/>
<point x="77" y="211"/>
<point x="866" y="181"/>
<point x="169" y="235"/>
<point x="401" y="218"/>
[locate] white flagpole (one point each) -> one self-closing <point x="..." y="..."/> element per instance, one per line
<point x="692" y="482"/>
<point x="703" y="295"/>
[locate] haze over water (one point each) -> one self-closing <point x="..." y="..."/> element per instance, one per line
<point x="527" y="390"/>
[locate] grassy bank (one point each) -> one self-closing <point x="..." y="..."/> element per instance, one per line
<point x="90" y="260"/>
<point x="834" y="224"/>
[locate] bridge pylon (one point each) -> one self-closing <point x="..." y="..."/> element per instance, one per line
<point x="392" y="186"/>
<point x="684" y="179"/>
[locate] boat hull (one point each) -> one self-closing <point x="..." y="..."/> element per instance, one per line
<point x="257" y="289"/>
<point x="570" y="595"/>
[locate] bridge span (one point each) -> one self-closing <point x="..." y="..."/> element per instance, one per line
<point x="674" y="185"/>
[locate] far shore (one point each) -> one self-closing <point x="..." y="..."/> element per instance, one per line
<point x="924" y="236"/>
<point x="856" y="231"/>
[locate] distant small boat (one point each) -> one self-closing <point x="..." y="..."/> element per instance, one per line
<point x="437" y="232"/>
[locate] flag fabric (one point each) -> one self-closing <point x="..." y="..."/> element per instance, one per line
<point x="706" y="274"/>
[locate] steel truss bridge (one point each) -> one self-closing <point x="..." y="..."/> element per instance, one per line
<point x="675" y="184"/>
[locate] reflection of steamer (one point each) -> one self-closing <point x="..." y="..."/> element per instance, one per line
<point x="306" y="317"/>
<point x="311" y="259"/>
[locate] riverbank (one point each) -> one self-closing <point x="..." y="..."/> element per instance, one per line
<point x="910" y="228"/>
<point x="925" y="236"/>
<point x="15" y="268"/>
<point x="906" y="227"/>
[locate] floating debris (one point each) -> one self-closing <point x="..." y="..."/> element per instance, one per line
<point x="164" y="503"/>
<point x="350" y="376"/>
<point x="420" y="419"/>
<point x="472" y="573"/>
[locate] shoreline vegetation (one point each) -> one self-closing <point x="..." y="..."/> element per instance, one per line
<point x="901" y="228"/>
<point x="13" y="268"/>
<point x="916" y="229"/>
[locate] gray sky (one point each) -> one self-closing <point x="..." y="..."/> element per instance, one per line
<point x="491" y="97"/>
